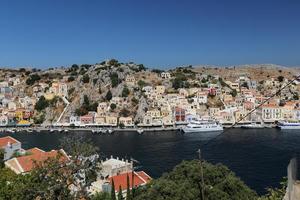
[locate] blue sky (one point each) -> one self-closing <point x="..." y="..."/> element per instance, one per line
<point x="157" y="33"/>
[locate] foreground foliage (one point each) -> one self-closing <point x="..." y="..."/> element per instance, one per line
<point x="53" y="181"/>
<point x="184" y="183"/>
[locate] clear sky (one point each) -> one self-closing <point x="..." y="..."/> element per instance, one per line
<point x="157" y="33"/>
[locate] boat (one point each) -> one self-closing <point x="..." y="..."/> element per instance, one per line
<point x="252" y="126"/>
<point x="202" y="126"/>
<point x="286" y="125"/>
<point x="140" y="131"/>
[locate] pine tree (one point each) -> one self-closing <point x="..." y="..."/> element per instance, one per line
<point x="120" y="196"/>
<point x="113" y="193"/>
<point x="128" y="195"/>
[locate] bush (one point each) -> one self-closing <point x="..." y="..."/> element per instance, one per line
<point x="32" y="79"/>
<point x="108" y="95"/>
<point x="71" y="78"/>
<point x="125" y="92"/>
<point x="280" y="78"/>
<point x="86" y="78"/>
<point x="41" y="104"/>
<point x="184" y="182"/>
<point x="114" y="78"/>
<point x="113" y="106"/>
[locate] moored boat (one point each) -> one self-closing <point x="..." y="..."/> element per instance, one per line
<point x="252" y="126"/>
<point x="286" y="125"/>
<point x="202" y="126"/>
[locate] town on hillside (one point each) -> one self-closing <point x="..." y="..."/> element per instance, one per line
<point x="126" y="95"/>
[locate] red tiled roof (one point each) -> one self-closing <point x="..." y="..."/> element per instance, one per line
<point x="38" y="156"/>
<point x="5" y="140"/>
<point x="139" y="178"/>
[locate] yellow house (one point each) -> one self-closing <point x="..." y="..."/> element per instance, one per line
<point x="111" y="121"/>
<point x="160" y="89"/>
<point x="127" y="121"/>
<point x="100" y="120"/>
<point x="19" y="114"/>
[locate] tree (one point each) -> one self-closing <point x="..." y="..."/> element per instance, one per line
<point x="1" y="158"/>
<point x="141" y="83"/>
<point x="113" y="62"/>
<point x="108" y="95"/>
<point x="120" y="195"/>
<point x="124" y="112"/>
<point x="276" y="193"/>
<point x="114" y="78"/>
<point x="32" y="79"/>
<point x="113" y="106"/>
<point x="280" y="78"/>
<point x="85" y="78"/>
<point x="41" y="104"/>
<point x="179" y="81"/>
<point x="128" y="193"/>
<point x="75" y="67"/>
<point x="113" y="191"/>
<point x="233" y="92"/>
<point x="71" y="78"/>
<point x="101" y="196"/>
<point x="125" y="92"/>
<point x="184" y="182"/>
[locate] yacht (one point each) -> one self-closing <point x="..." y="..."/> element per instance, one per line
<point x="202" y="126"/>
<point x="289" y="125"/>
<point x="252" y="126"/>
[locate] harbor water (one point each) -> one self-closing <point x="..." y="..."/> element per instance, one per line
<point x="258" y="156"/>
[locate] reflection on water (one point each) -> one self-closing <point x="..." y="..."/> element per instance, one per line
<point x="259" y="157"/>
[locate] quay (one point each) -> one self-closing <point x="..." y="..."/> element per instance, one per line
<point x="104" y="130"/>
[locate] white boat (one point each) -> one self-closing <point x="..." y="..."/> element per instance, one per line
<point x="202" y="126"/>
<point x="289" y="125"/>
<point x="252" y="126"/>
<point x="140" y="131"/>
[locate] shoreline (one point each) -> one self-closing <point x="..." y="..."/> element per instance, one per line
<point x="108" y="130"/>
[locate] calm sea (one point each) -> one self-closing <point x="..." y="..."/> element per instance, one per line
<point x="259" y="157"/>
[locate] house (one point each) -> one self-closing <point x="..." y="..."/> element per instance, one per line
<point x="74" y="120"/>
<point x="118" y="101"/>
<point x="179" y="114"/>
<point x="111" y="121"/>
<point x="33" y="158"/>
<point x="201" y="97"/>
<point x="10" y="146"/>
<point x="130" y="80"/>
<point x="147" y="90"/>
<point x="87" y="119"/>
<point x="102" y="108"/>
<point x="165" y="75"/>
<point x="271" y="113"/>
<point x="12" y="105"/>
<point x="127" y="121"/>
<point x="99" y="119"/>
<point x="168" y="121"/>
<point x="213" y="112"/>
<point x="59" y="89"/>
<point x="3" y="120"/>
<point x="114" y="166"/>
<point x="136" y="179"/>
<point x="183" y="92"/>
<point x="147" y="120"/>
<point x="160" y="89"/>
